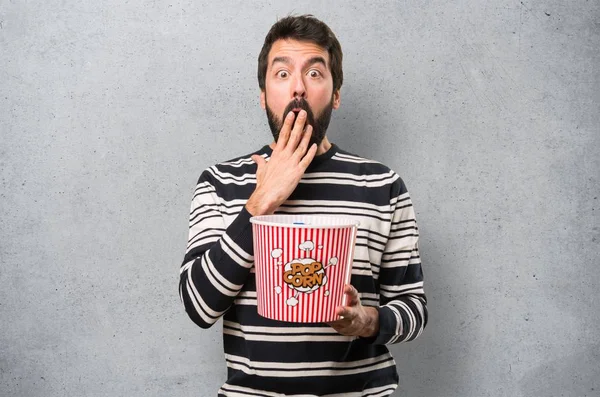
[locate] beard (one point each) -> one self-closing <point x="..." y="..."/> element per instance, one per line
<point x="319" y="124"/>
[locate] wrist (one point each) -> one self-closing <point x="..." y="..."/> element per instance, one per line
<point x="258" y="205"/>
<point x="372" y="323"/>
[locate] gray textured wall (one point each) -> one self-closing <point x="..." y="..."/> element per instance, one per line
<point x="110" y="110"/>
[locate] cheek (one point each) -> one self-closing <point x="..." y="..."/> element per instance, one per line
<point x="279" y="90"/>
<point x="324" y="101"/>
<point x="323" y="93"/>
<point x="276" y="99"/>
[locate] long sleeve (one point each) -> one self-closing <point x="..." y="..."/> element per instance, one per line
<point x="403" y="305"/>
<point x="218" y="258"/>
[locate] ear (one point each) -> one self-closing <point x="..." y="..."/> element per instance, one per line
<point x="263" y="101"/>
<point x="336" y="99"/>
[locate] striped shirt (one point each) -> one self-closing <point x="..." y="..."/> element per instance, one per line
<point x="272" y="358"/>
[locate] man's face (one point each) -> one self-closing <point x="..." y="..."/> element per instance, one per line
<point x="298" y="77"/>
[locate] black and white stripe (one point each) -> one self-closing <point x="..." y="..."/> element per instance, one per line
<point x="270" y="358"/>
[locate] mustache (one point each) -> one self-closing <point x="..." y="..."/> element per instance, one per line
<point x="297" y="104"/>
<point x="319" y="122"/>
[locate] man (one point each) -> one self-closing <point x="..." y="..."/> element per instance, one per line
<point x="301" y="172"/>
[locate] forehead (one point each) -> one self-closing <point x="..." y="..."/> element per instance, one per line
<point x="296" y="50"/>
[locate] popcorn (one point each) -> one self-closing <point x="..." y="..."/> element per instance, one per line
<point x="302" y="265"/>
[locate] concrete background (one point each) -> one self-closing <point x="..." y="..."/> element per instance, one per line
<point x="110" y="110"/>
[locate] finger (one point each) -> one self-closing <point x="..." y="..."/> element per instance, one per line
<point x="352" y="295"/>
<point x="346" y="313"/>
<point x="297" y="131"/>
<point x="284" y="133"/>
<point x="310" y="155"/>
<point x="259" y="160"/>
<point x="340" y="325"/>
<point x="338" y="328"/>
<point x="340" y="322"/>
<point x="303" y="145"/>
<point x="349" y="289"/>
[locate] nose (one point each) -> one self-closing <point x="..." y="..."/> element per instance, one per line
<point x="299" y="88"/>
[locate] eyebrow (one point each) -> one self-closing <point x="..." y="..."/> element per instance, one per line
<point x="311" y="61"/>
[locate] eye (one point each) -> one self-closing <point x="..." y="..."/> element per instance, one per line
<point x="314" y="73"/>
<point x="282" y="74"/>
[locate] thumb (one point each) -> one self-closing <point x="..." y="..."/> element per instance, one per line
<point x="259" y="160"/>
<point x="352" y="294"/>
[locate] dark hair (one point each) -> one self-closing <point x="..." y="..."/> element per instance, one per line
<point x="303" y="28"/>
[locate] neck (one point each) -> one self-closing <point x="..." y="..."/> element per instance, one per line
<point x="324" y="146"/>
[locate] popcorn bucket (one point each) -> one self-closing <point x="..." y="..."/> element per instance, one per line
<point x="302" y="264"/>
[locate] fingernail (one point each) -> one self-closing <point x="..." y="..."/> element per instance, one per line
<point x="290" y="114"/>
<point x="303" y="113"/>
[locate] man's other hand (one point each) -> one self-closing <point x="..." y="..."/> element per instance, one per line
<point x="357" y="320"/>
<point x="277" y="178"/>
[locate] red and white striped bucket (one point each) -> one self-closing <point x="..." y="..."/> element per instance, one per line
<point x="302" y="264"/>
